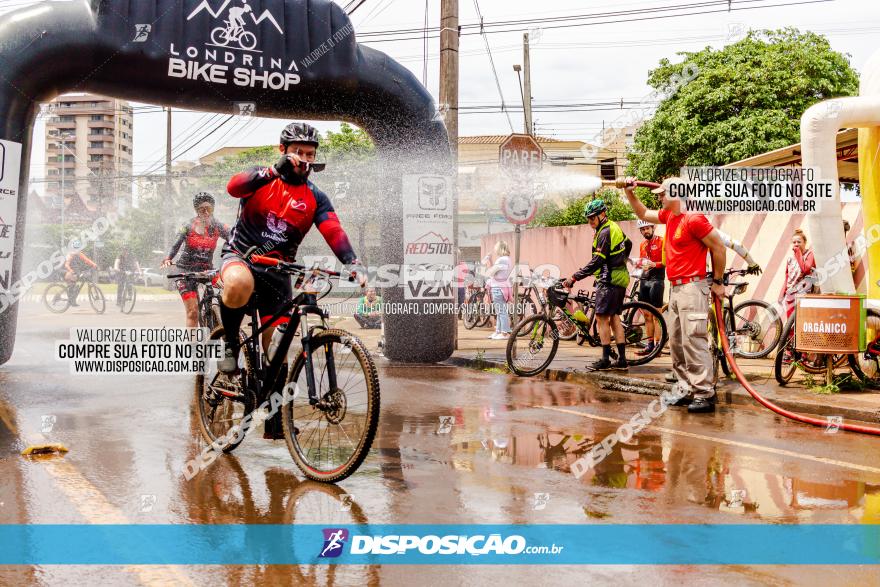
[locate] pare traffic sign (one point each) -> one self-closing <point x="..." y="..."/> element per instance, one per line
<point x="520" y="152"/>
<point x="519" y="208"/>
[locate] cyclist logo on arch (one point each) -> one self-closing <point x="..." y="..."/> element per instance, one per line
<point x="234" y="31"/>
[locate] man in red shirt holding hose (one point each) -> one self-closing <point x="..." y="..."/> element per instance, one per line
<point x="688" y="238"/>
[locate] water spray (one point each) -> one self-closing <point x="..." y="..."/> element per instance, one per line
<point x="725" y="344"/>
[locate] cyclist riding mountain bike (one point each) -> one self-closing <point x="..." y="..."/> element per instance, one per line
<point x="125" y="262"/>
<point x="198" y="238"/>
<point x="611" y="249"/>
<point x="278" y="206"/>
<point x="76" y="263"/>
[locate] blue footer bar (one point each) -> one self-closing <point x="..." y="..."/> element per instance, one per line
<point x="242" y="544"/>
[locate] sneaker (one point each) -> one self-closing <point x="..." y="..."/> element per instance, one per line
<point x="229" y="363"/>
<point x="670" y="377"/>
<point x="702" y="406"/>
<point x="492" y="336"/>
<point x="602" y="364"/>
<point x="685" y="397"/>
<point x="620" y="365"/>
<point x="645" y="351"/>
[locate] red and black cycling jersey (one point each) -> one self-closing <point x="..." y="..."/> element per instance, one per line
<point x="275" y="216"/>
<point x="78" y="262"/>
<point x="198" y="242"/>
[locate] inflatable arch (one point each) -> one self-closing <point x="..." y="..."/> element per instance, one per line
<point x="298" y="60"/>
<point x="819" y="127"/>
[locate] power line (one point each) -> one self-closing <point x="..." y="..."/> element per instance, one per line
<point x="631" y="16"/>
<point x="425" y="48"/>
<point x="356" y="3"/>
<point x="492" y="63"/>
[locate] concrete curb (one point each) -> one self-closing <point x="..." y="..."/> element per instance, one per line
<point x="727" y="395"/>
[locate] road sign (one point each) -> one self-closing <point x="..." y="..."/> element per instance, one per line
<point x="520" y="152"/>
<point x="519" y="209"/>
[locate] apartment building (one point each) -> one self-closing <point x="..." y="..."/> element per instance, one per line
<point x="89" y="143"/>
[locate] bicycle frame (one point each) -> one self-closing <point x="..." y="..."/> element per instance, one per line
<point x="266" y="375"/>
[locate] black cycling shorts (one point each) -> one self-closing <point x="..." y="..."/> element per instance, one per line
<point x="609" y="299"/>
<point x="188" y="288"/>
<point x="271" y="290"/>
<point x="651" y="292"/>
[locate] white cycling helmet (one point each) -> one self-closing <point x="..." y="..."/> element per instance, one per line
<point x="644" y="223"/>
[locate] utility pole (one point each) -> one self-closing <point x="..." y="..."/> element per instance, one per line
<point x="63" y="170"/>
<point x="449" y="70"/>
<point x="449" y="37"/>
<point x="166" y="236"/>
<point x="527" y="90"/>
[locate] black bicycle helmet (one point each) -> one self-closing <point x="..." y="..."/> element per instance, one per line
<point x="299" y="132"/>
<point x="202" y="197"/>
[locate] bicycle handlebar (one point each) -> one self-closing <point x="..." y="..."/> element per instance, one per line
<point x="290" y="267"/>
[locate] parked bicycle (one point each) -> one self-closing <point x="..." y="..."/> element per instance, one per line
<point x="536" y="339"/>
<point x="58" y="296"/>
<point x="866" y="365"/>
<point x="208" y="289"/>
<point x="753" y="327"/>
<point x="790" y="360"/>
<point x="480" y="310"/>
<point x="330" y="422"/>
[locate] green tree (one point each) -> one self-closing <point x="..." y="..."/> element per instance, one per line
<point x="747" y="98"/>
<point x="549" y="214"/>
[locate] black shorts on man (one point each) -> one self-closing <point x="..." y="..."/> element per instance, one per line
<point x="609" y="299"/>
<point x="651" y="292"/>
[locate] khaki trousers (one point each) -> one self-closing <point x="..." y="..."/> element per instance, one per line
<point x="689" y="337"/>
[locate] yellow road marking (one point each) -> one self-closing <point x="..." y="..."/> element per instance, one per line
<point x="749" y="445"/>
<point x="90" y="502"/>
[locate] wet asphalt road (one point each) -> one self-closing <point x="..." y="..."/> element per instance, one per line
<point x="511" y="439"/>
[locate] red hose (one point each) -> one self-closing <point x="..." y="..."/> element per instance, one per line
<point x="767" y="403"/>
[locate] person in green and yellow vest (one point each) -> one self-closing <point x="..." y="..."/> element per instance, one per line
<point x="369" y="310"/>
<point x="611" y="248"/>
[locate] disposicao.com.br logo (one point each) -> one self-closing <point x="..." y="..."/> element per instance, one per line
<point x="430" y="544"/>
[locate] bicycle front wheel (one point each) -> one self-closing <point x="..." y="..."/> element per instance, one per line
<point x="757" y="329"/>
<point x="55" y="298"/>
<point x="634" y="317"/>
<point x="96" y="299"/>
<point x="129" y="296"/>
<point x="532" y="345"/>
<point x="566" y="327"/>
<point x="329" y="440"/>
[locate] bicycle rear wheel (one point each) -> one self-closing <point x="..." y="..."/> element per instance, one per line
<point x="757" y="329"/>
<point x="222" y="403"/>
<point x="634" y="317"/>
<point x="55" y="298"/>
<point x="532" y="345"/>
<point x="329" y="441"/>
<point x="96" y="298"/>
<point x="129" y="295"/>
<point x="471" y="309"/>
<point x="865" y="365"/>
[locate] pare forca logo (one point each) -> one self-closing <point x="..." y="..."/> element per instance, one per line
<point x="334" y="541"/>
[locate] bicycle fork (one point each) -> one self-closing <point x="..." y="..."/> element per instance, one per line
<point x="314" y="400"/>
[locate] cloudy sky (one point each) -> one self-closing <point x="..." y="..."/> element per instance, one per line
<point x="571" y="65"/>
